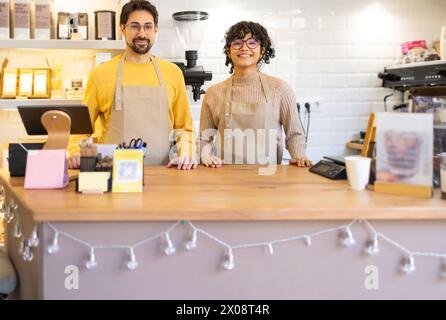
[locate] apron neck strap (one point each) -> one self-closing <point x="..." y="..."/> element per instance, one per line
<point x="118" y="93"/>
<point x="264" y="83"/>
<point x="265" y="86"/>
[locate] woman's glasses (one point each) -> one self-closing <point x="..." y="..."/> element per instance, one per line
<point x="251" y="43"/>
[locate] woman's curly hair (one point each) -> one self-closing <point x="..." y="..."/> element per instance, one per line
<point x="239" y="31"/>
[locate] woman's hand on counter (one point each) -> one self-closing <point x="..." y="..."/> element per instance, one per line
<point x="74" y="161"/>
<point x="212" y="162"/>
<point x="183" y="163"/>
<point x="301" y="162"/>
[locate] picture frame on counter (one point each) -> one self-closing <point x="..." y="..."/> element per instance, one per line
<point x="404" y="163"/>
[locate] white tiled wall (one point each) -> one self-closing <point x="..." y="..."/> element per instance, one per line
<point x="329" y="51"/>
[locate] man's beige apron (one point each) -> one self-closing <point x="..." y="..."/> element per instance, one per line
<point x="141" y="112"/>
<point x="255" y="120"/>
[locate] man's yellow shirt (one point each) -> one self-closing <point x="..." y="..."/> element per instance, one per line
<point x="100" y="93"/>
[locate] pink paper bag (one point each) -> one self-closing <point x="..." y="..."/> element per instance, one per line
<point x="46" y="169"/>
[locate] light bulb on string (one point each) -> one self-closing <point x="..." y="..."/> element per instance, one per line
<point x="17" y="232"/>
<point x="192" y="244"/>
<point x="408" y="264"/>
<point x="373" y="247"/>
<point x="443" y="269"/>
<point x="307" y="240"/>
<point x="2" y="201"/>
<point x="170" y="249"/>
<point x="9" y="211"/>
<point x="21" y="247"/>
<point x="229" y="263"/>
<point x="91" y="264"/>
<point x="270" y="248"/>
<point x="2" y="193"/>
<point x="27" y="254"/>
<point x="54" y="248"/>
<point x="132" y="263"/>
<point x="34" y="240"/>
<point x="346" y="237"/>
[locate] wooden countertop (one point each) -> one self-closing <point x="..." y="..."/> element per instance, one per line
<point x="228" y="194"/>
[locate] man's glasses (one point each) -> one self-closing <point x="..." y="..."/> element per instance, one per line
<point x="136" y="27"/>
<point x="251" y="43"/>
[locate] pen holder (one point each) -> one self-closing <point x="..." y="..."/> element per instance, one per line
<point x="88" y="164"/>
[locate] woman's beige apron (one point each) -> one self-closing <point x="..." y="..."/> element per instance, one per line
<point x="248" y="132"/>
<point x="141" y="112"/>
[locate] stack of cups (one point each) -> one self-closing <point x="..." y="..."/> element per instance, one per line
<point x="358" y="171"/>
<point x="443" y="174"/>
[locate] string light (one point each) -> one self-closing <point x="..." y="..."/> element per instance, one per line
<point x="27" y="255"/>
<point x="346" y="236"/>
<point x="34" y="240"/>
<point x="229" y="263"/>
<point x="91" y="264"/>
<point x="21" y="247"/>
<point x="170" y="250"/>
<point x="408" y="264"/>
<point x="192" y="244"/>
<point x="270" y="249"/>
<point x="2" y="202"/>
<point x="443" y="269"/>
<point x="132" y="264"/>
<point x="2" y="193"/>
<point x="54" y="248"/>
<point x="373" y="248"/>
<point x="307" y="240"/>
<point x="9" y="211"/>
<point x="17" y="232"/>
<point x="2" y="210"/>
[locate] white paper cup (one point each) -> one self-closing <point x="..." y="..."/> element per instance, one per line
<point x="358" y="171"/>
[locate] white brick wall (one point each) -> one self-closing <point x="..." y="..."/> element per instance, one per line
<point x="328" y="50"/>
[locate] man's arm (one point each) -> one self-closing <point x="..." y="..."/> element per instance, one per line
<point x="182" y="123"/>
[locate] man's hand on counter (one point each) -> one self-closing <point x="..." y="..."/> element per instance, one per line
<point x="301" y="162"/>
<point x="183" y="163"/>
<point x="74" y="161"/>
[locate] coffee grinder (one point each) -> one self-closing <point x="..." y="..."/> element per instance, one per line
<point x="191" y="30"/>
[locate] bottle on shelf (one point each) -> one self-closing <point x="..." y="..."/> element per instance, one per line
<point x="4" y="19"/>
<point x="22" y="19"/>
<point x="76" y="92"/>
<point x="42" y="18"/>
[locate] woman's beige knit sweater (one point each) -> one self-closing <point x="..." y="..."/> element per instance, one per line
<point x="248" y="89"/>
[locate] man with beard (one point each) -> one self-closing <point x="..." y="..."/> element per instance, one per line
<point x="138" y="95"/>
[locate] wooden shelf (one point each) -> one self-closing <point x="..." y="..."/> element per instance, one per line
<point x="63" y="44"/>
<point x="13" y="103"/>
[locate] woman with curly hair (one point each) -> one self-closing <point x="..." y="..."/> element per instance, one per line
<point x="242" y="117"/>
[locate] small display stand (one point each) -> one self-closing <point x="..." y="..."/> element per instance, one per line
<point x="404" y="154"/>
